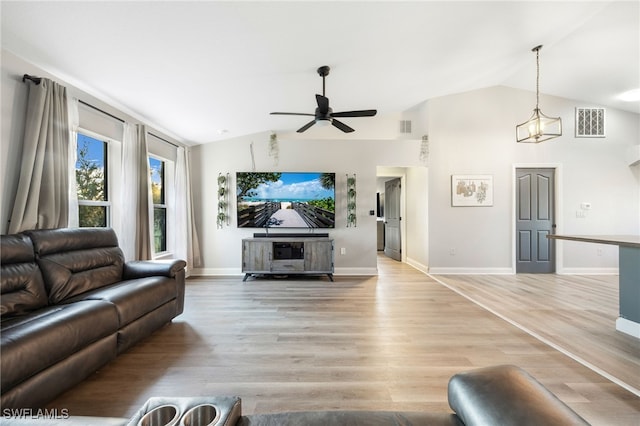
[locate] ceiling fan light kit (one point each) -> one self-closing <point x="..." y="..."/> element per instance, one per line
<point x="324" y="115"/>
<point x="539" y="127"/>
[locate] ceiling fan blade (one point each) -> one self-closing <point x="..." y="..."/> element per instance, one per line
<point x="306" y="126"/>
<point x="323" y="104"/>
<point x="340" y="125"/>
<point x="292" y="113"/>
<point x="361" y="113"/>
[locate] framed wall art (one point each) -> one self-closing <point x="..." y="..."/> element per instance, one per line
<point x="471" y="190"/>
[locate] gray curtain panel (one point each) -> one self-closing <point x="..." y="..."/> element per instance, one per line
<point x="144" y="222"/>
<point x="42" y="198"/>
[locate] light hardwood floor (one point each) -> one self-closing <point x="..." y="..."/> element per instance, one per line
<point x="388" y="342"/>
<point x="574" y="314"/>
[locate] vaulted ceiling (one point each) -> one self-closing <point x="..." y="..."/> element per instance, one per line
<point x="206" y="70"/>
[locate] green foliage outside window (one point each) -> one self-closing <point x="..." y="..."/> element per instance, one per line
<point x="157" y="170"/>
<point x="91" y="181"/>
<point x="92" y="216"/>
<point x="160" y="229"/>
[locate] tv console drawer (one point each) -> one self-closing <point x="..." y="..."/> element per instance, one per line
<point x="287" y="265"/>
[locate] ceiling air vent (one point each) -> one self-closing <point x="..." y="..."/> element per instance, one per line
<point x="405" y="126"/>
<point x="590" y="122"/>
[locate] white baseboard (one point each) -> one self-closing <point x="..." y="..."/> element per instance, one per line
<point x="419" y="266"/>
<point x="213" y="272"/>
<point x="470" y="271"/>
<point x="629" y="327"/>
<point x="200" y="272"/>
<point x="587" y="271"/>
<point x="356" y="271"/>
<point x="210" y="272"/>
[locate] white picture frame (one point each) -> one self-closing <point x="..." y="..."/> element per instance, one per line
<point x="471" y="190"/>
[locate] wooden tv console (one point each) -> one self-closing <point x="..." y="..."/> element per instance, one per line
<point x="285" y="254"/>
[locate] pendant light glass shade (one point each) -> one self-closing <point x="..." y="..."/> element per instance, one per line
<point x="539" y="127"/>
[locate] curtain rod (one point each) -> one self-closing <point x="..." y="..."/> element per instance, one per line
<point x="122" y="121"/>
<point x="36" y="80"/>
<point x="102" y="111"/>
<point x="164" y="140"/>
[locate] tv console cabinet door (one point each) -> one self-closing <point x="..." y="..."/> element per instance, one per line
<point x="318" y="256"/>
<point x="256" y="256"/>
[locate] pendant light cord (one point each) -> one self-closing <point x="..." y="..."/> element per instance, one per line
<point x="537" y="50"/>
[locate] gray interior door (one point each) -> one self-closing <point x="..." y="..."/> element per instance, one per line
<point x="392" y="247"/>
<point x="535" y="219"/>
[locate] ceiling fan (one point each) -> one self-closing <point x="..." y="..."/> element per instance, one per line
<point x="324" y="114"/>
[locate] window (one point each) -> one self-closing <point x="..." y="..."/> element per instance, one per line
<point x="92" y="181"/>
<point x="157" y="168"/>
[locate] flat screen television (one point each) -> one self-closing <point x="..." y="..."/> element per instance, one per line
<point x="285" y="200"/>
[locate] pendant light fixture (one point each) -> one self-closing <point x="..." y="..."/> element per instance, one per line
<point x="539" y="127"/>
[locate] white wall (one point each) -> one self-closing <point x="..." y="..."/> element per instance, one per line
<point x="474" y="133"/>
<point x="221" y="248"/>
<point x="417" y="217"/>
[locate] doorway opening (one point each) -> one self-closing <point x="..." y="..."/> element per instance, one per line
<point x="390" y="211"/>
<point x="408" y="219"/>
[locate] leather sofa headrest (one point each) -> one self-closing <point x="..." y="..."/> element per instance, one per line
<point x="46" y="241"/>
<point x="16" y="248"/>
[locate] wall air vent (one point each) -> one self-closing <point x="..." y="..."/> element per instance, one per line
<point x="405" y="126"/>
<point x="590" y="123"/>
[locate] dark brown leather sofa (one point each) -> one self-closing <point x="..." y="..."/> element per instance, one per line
<point x="503" y="395"/>
<point x="70" y="304"/>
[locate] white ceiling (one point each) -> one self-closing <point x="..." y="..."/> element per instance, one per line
<point x="195" y="68"/>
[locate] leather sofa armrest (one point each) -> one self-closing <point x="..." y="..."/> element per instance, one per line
<point x="149" y="268"/>
<point x="506" y="395"/>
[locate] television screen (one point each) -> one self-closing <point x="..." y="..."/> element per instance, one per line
<point x="285" y="200"/>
